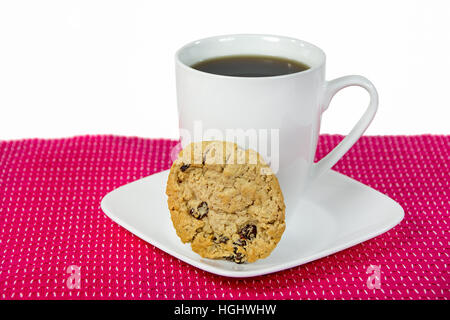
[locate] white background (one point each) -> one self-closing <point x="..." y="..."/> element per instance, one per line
<point x="106" y="67"/>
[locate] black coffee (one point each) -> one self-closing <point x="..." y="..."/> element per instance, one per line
<point x="250" y="66"/>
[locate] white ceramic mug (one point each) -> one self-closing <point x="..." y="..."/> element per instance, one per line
<point x="291" y="104"/>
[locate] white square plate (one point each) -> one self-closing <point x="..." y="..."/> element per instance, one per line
<point x="336" y="213"/>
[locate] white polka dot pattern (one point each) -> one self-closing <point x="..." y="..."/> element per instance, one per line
<point x="52" y="230"/>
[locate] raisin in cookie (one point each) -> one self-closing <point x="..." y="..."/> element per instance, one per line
<point x="225" y="201"/>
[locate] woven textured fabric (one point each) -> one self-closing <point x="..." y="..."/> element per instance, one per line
<point x="56" y="243"/>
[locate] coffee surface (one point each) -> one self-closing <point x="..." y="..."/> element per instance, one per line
<point x="250" y="66"/>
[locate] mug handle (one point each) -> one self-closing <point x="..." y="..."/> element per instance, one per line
<point x="331" y="88"/>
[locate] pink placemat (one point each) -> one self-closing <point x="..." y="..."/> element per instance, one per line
<point x="56" y="243"/>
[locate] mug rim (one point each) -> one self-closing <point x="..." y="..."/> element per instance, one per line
<point x="256" y="35"/>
